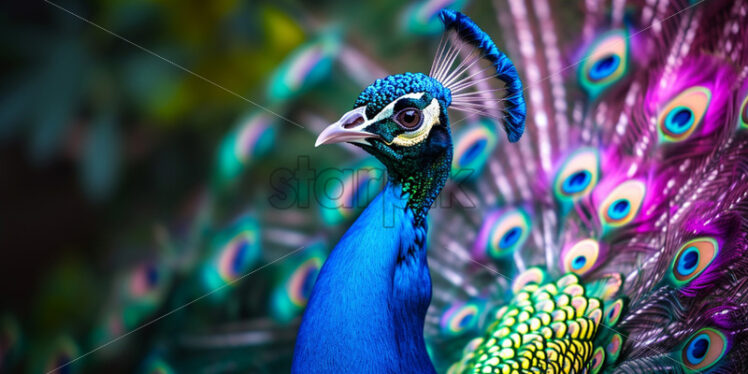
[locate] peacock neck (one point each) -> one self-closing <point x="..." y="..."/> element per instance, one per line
<point x="367" y="309"/>
<point x="422" y="185"/>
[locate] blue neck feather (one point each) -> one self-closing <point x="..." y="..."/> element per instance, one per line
<point x="367" y="309"/>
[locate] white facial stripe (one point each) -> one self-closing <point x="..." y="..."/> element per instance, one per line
<point x="386" y="112"/>
<point x="430" y="118"/>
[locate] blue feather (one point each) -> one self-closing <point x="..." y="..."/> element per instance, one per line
<point x="469" y="32"/>
<point x="367" y="308"/>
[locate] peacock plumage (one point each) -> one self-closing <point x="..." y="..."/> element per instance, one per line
<point x="607" y="233"/>
<point x="616" y="244"/>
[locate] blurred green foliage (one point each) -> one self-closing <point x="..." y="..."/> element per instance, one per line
<point x="75" y="90"/>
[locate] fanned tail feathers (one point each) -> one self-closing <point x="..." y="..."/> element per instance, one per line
<point x="631" y="175"/>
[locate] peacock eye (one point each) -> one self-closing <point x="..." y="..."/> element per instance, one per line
<point x="683" y="114"/>
<point x="597" y="361"/>
<point x="409" y="118"/>
<point x="613" y="349"/>
<point x="622" y="204"/>
<point x="704" y="349"/>
<point x="295" y="283"/>
<point x="605" y="62"/>
<point x="145" y="279"/>
<point x="692" y="259"/>
<point x="581" y="257"/>
<point x="461" y="317"/>
<point x="613" y="312"/>
<point x="505" y="233"/>
<point x="578" y="175"/>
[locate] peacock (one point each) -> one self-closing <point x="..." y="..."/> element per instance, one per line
<point x="614" y="239"/>
<point x="605" y="232"/>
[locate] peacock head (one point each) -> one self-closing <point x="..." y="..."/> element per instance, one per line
<point x="401" y="120"/>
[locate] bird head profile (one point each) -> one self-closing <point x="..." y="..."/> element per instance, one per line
<point x="403" y="120"/>
<point x="398" y="119"/>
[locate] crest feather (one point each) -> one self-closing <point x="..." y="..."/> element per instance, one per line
<point x="462" y="32"/>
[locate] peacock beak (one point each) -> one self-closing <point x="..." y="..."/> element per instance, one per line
<point x="350" y="128"/>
